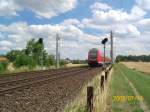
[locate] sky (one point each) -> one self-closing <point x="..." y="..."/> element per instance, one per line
<point x="81" y="25"/>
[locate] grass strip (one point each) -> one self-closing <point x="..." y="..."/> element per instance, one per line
<point x="141" y="82"/>
<point x="121" y="91"/>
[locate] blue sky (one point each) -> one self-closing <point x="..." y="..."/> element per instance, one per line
<point x="82" y="24"/>
<point x="81" y="11"/>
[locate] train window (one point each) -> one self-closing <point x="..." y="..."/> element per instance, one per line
<point x="93" y="54"/>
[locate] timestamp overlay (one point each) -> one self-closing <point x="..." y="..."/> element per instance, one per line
<point x="127" y="98"/>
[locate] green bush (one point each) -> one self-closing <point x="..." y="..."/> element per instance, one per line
<point x="3" y="66"/>
<point x="33" y="55"/>
<point x="49" y="60"/>
<point x="24" y="60"/>
<point x="62" y="62"/>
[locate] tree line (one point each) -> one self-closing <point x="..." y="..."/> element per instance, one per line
<point x="33" y="55"/>
<point x="143" y="58"/>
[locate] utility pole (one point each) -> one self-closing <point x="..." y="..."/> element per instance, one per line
<point x="57" y="50"/>
<point x="111" y="52"/>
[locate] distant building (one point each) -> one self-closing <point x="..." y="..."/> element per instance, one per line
<point x="68" y="60"/>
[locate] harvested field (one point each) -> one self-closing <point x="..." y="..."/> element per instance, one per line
<point x="75" y="65"/>
<point x="50" y="96"/>
<point x="139" y="66"/>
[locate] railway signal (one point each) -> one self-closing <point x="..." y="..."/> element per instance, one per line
<point x="104" y="40"/>
<point x="41" y="41"/>
<point x="104" y="43"/>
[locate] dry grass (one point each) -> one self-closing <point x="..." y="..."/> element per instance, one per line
<point x="100" y="98"/>
<point x="75" y="65"/>
<point x="139" y="66"/>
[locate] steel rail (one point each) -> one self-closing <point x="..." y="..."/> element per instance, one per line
<point x="40" y="81"/>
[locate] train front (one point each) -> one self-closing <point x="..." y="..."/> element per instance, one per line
<point x="94" y="57"/>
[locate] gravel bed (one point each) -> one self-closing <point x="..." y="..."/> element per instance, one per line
<point x="16" y="76"/>
<point x="47" y="97"/>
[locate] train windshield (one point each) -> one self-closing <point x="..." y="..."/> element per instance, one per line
<point x="93" y="54"/>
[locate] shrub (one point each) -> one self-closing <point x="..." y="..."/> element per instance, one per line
<point x="3" y="66"/>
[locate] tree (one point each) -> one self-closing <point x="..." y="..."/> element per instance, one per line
<point x="33" y="55"/>
<point x="12" y="55"/>
<point x="50" y="60"/>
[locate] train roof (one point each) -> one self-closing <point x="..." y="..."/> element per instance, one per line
<point x="94" y="49"/>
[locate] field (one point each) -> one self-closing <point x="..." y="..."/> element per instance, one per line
<point x="130" y="90"/>
<point x="139" y="66"/>
<point x="75" y="65"/>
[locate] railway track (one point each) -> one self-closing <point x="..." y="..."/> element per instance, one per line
<point x="27" y="74"/>
<point x="15" y="83"/>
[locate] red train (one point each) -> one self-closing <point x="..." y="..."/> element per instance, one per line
<point x="95" y="58"/>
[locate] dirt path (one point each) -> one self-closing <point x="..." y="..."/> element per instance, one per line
<point x="141" y="102"/>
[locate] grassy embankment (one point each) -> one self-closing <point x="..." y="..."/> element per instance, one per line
<point x="79" y="104"/>
<point x="121" y="87"/>
<point x="23" y="69"/>
<point x="11" y="69"/>
<point x="141" y="82"/>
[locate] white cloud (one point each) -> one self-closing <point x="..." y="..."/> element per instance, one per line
<point x="130" y="28"/>
<point x="144" y="24"/>
<point x="42" y="8"/>
<point x="8" y="7"/>
<point x="5" y="45"/>
<point x="110" y="17"/>
<point x="126" y="31"/>
<point x="144" y="4"/>
<point x="75" y="43"/>
<point x="71" y="21"/>
<point x="100" y="6"/>
<point x="73" y="40"/>
<point x="105" y="19"/>
<point x="136" y="13"/>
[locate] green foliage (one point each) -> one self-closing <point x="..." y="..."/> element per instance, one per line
<point x="35" y="50"/>
<point x="3" y="66"/>
<point x="12" y="55"/>
<point x="62" y="62"/>
<point x="49" y="60"/>
<point x="24" y="60"/>
<point x="33" y="55"/>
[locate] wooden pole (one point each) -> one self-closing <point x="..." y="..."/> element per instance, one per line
<point x="89" y="99"/>
<point x="102" y="83"/>
<point x="106" y="74"/>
